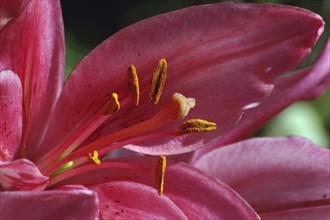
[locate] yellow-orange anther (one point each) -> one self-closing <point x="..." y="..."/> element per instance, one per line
<point x="95" y="157"/>
<point x="112" y="105"/>
<point x="160" y="174"/>
<point x="195" y="126"/>
<point x="133" y="85"/>
<point x="158" y="81"/>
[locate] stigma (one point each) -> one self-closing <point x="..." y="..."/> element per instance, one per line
<point x="185" y="104"/>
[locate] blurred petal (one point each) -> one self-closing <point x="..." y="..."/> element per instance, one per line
<point x="54" y="204"/>
<point x="121" y="152"/>
<point x="208" y="49"/>
<point x="11" y="114"/>
<point x="277" y="176"/>
<point x="21" y="174"/>
<point x="32" y="45"/>
<point x="8" y="10"/>
<point x="185" y="187"/>
<point x="308" y="83"/>
<point x="321" y="213"/>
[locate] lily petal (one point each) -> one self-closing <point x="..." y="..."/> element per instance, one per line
<point x="21" y="174"/>
<point x="279" y="177"/>
<point x="53" y="204"/>
<point x="305" y="84"/>
<point x="205" y="46"/>
<point x="185" y="187"/>
<point x="131" y="200"/>
<point x="32" y="45"/>
<point x="11" y="114"/>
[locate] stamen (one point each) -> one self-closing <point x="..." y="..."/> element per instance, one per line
<point x="79" y="157"/>
<point x="133" y="85"/>
<point x="89" y="169"/>
<point x="195" y="126"/>
<point x="95" y="157"/>
<point x="158" y="81"/>
<point x="87" y="128"/>
<point x="160" y="174"/>
<point x="177" y="108"/>
<point x="62" y="168"/>
<point x="112" y="105"/>
<point x="169" y="113"/>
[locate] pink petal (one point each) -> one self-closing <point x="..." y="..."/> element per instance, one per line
<point x="21" y="174"/>
<point x="131" y="200"/>
<point x="54" y="204"/>
<point x="200" y="195"/>
<point x="306" y="84"/>
<point x="277" y="176"/>
<point x="11" y="114"/>
<point x="196" y="194"/>
<point x="209" y="51"/>
<point x="32" y="45"/>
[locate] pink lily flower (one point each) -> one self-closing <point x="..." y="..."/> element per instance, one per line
<point x="53" y="135"/>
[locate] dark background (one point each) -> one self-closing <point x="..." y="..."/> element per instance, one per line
<point x="93" y="21"/>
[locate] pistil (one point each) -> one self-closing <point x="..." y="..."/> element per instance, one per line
<point x="177" y="108"/>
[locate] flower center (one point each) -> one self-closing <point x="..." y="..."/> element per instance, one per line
<point x="72" y="157"/>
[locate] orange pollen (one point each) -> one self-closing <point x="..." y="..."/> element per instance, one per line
<point x="160" y="174"/>
<point x="133" y="85"/>
<point x="158" y="81"/>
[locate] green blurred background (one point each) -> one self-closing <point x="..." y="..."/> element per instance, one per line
<point x="88" y="23"/>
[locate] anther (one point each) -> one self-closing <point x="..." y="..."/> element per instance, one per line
<point x="133" y="85"/>
<point x="112" y="105"/>
<point x="160" y="174"/>
<point x="95" y="157"/>
<point x="195" y="126"/>
<point x="158" y="81"/>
